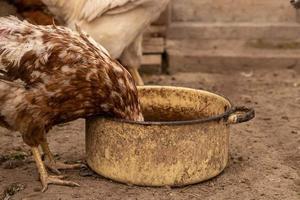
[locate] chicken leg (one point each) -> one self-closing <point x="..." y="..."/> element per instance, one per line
<point x="136" y="76"/>
<point x="131" y="59"/>
<point x="53" y="165"/>
<point x="44" y="177"/>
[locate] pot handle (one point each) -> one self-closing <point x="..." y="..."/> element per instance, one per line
<point x="240" y="114"/>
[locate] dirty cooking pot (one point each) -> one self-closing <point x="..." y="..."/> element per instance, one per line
<point x="184" y="140"/>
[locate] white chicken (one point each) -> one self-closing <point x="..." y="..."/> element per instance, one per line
<point x="118" y="25"/>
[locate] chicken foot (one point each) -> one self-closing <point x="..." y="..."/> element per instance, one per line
<point x="54" y="165"/>
<point x="44" y="177"/>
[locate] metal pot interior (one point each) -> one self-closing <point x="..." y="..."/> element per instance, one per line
<point x="179" y="104"/>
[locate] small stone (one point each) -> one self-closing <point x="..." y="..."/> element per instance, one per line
<point x="240" y="158"/>
<point x="286" y="176"/>
<point x="84" y="172"/>
<point x="291" y="66"/>
<point x="36" y="189"/>
<point x="247" y="74"/>
<point x="12" y="164"/>
<point x="242" y="181"/>
<point x="294" y="132"/>
<point x="76" y="196"/>
<point x="285" y="117"/>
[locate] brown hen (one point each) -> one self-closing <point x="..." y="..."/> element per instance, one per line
<point x="51" y="75"/>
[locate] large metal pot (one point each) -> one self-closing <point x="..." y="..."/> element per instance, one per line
<point x="184" y="140"/>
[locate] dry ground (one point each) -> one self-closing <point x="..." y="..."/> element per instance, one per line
<point x="264" y="153"/>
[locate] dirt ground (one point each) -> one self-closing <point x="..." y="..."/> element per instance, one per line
<point x="264" y="153"/>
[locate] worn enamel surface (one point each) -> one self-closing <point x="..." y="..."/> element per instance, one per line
<point x="162" y="154"/>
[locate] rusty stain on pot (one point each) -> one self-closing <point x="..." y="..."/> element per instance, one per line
<point x="185" y="139"/>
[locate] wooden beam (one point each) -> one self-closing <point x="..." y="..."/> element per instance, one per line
<point x="153" y="45"/>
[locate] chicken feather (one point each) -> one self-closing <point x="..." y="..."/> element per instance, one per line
<point x="65" y="76"/>
<point x="117" y="24"/>
<point x="90" y="9"/>
<point x="51" y="75"/>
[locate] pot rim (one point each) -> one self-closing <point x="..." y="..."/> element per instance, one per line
<point x="219" y="117"/>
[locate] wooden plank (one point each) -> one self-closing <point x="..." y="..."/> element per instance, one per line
<point x="154" y="41"/>
<point x="152" y="59"/>
<point x="151" y="64"/>
<point x="153" y="45"/>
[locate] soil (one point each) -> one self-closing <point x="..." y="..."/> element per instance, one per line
<point x="264" y="153"/>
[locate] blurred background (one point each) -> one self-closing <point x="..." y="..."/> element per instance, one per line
<point x="246" y="50"/>
<point x="197" y="35"/>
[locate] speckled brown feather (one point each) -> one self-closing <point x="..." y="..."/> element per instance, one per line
<point x="54" y="75"/>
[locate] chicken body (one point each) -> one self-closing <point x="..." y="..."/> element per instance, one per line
<point x="51" y="75"/>
<point x="116" y="24"/>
